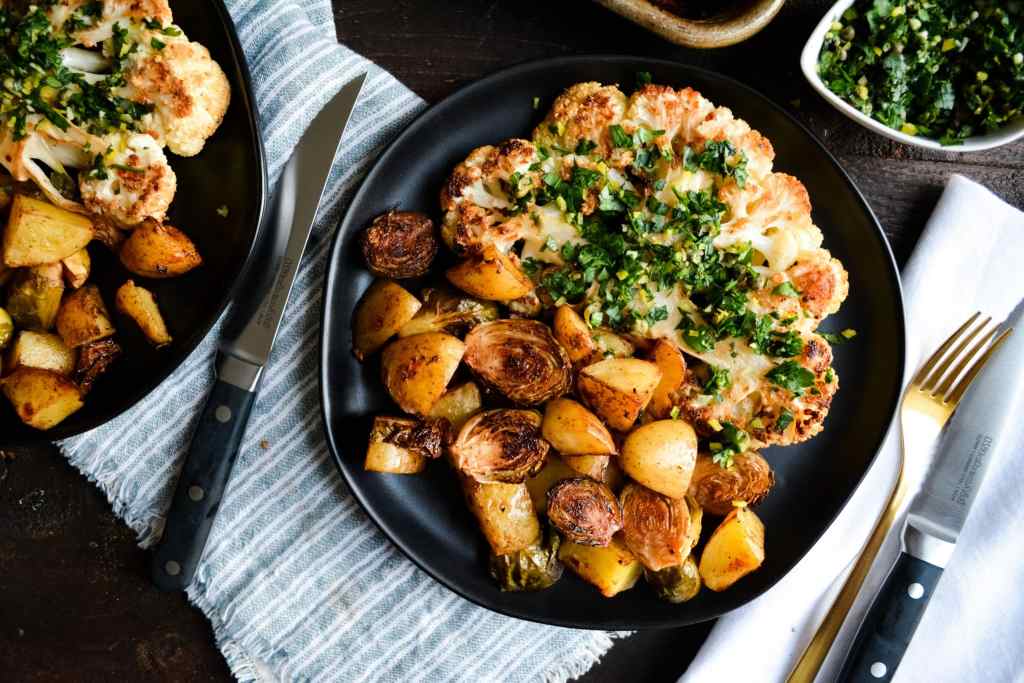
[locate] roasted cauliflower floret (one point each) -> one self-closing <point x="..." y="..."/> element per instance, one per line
<point x="188" y="91"/>
<point x="90" y="28"/>
<point x="479" y="200"/>
<point x="583" y="112"/>
<point x="136" y="182"/>
<point x="821" y="282"/>
<point x="660" y="108"/>
<point x="720" y="124"/>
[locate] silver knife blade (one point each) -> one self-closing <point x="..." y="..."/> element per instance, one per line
<point x="972" y="438"/>
<point x="297" y="204"/>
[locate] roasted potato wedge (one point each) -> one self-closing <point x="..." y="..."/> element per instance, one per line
<point x="41" y="398"/>
<point x="618" y="389"/>
<point x="159" y="251"/>
<point x="33" y="297"/>
<point x="661" y="455"/>
<point x="505" y="513"/>
<point x="41" y="350"/>
<point x="77" y="268"/>
<point x="139" y="304"/>
<point x="593" y="466"/>
<point x="491" y="275"/>
<point x="573" y="430"/>
<point x="417" y="369"/>
<point x="446" y="309"/>
<point x="716" y="488"/>
<point x="669" y="359"/>
<point x="457" y="405"/>
<point x="611" y="569"/>
<point x="573" y="334"/>
<point x="382" y="311"/>
<point x="611" y="345"/>
<point x="83" y="317"/>
<point x="735" y="549"/>
<point x="39" y="232"/>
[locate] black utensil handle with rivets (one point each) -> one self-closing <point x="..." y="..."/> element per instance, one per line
<point x="890" y="623"/>
<point x="203" y="479"/>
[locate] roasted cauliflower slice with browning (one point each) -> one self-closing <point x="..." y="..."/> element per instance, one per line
<point x="89" y="23"/>
<point x="187" y="89"/>
<point x="584" y="112"/>
<point x="134" y="183"/>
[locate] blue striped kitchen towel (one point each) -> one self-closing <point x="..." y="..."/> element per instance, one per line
<point x="298" y="583"/>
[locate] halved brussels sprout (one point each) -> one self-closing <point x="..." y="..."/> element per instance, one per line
<point x="446" y="310"/>
<point x="6" y="329"/>
<point x="520" y="359"/>
<point x="584" y="510"/>
<point x="399" y="244"/>
<point x="675" y="584"/>
<point x="655" y="526"/>
<point x="748" y="479"/>
<point x="531" y="569"/>
<point x="500" y="446"/>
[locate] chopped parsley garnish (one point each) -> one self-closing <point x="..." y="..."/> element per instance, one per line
<point x="792" y="376"/>
<point x="727" y="443"/>
<point x="838" y="338"/>
<point x="718" y="381"/>
<point x="786" y="289"/>
<point x="942" y="69"/>
<point x="222" y="211"/>
<point x="784" y="420"/>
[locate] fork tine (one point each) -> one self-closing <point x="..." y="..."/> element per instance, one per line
<point x="930" y="384"/>
<point x="941" y="351"/>
<point x="959" y="389"/>
<point x="964" y="362"/>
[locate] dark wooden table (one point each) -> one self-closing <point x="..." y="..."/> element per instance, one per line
<point x="75" y="603"/>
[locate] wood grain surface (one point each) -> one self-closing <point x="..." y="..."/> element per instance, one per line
<point x="75" y="601"/>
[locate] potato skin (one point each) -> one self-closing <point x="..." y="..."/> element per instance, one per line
<point x="139" y="304"/>
<point x="571" y="429"/>
<point x="491" y="275"/>
<point x="38" y="232"/>
<point x="670" y="360"/>
<point x="715" y="487"/>
<point x="661" y="456"/>
<point x="399" y="244"/>
<point x="735" y="549"/>
<point x="159" y="251"/>
<point x="382" y="311"/>
<point x="573" y="334"/>
<point x="417" y="369"/>
<point x="618" y="389"/>
<point x="42" y="398"/>
<point x="83" y="317"/>
<point x="77" y="268"/>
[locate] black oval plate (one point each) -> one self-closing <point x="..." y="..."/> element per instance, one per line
<point x="230" y="172"/>
<point x="425" y="515"/>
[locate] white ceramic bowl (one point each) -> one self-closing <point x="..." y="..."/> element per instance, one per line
<point x="809" y="64"/>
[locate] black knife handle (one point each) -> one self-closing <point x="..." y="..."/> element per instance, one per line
<point x="890" y="623"/>
<point x="203" y="479"/>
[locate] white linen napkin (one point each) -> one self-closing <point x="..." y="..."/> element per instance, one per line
<point x="970" y="257"/>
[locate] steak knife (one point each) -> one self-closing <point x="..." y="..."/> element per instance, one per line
<point x="937" y="513"/>
<point x="242" y="357"/>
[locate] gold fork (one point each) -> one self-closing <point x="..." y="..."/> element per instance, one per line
<point x="932" y="395"/>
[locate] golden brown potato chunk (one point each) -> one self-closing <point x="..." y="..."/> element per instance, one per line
<point x="40" y="350"/>
<point x="573" y="430"/>
<point x="618" y="389"/>
<point x="139" y="304"/>
<point x="39" y="232"/>
<point x="417" y="369"/>
<point x="42" y="398"/>
<point x="573" y="334"/>
<point x="159" y="251"/>
<point x="382" y="311"/>
<point x="661" y="456"/>
<point x="611" y="569"/>
<point x="77" y="268"/>
<point x="491" y="275"/>
<point x="735" y="549"/>
<point x="505" y="513"/>
<point x="83" y="317"/>
<point x="669" y="359"/>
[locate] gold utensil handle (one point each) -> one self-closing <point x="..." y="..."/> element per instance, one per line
<point x="814" y="655"/>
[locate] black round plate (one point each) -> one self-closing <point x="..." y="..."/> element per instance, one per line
<point x="425" y="515"/>
<point x="229" y="172"/>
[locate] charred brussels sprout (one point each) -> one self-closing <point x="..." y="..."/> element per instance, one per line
<point x="656" y="527"/>
<point x="445" y="310"/>
<point x="399" y="244"/>
<point x="585" y="510"/>
<point x="500" y="446"/>
<point x="520" y="359"/>
<point x="675" y="584"/>
<point x="531" y="569"/>
<point x="747" y="479"/>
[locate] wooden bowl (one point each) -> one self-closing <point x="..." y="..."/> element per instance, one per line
<point x="732" y="23"/>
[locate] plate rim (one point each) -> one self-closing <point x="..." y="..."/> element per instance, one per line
<point x="132" y="398"/>
<point x="333" y="277"/>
